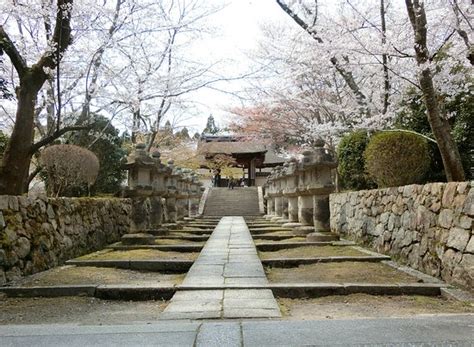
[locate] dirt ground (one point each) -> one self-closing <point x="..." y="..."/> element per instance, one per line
<point x="139" y="254"/>
<point x="72" y="275"/>
<point x="369" y="306"/>
<point x="312" y="251"/>
<point x="344" y="272"/>
<point x="78" y="310"/>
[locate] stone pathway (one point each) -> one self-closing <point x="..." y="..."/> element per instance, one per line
<point x="215" y="285"/>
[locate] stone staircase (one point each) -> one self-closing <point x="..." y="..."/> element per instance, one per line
<point x="232" y="202"/>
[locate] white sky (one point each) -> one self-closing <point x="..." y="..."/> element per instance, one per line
<point x="237" y="32"/>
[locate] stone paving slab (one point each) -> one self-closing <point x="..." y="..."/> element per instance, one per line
<point x="229" y="258"/>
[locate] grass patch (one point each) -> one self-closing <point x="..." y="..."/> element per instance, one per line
<point x="346" y="272"/>
<point x="72" y="275"/>
<point x="365" y="305"/>
<point x="311" y="252"/>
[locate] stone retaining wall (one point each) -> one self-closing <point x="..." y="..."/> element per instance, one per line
<point x="429" y="227"/>
<point x="37" y="234"/>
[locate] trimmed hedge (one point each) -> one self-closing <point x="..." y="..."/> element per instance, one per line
<point x="397" y="158"/>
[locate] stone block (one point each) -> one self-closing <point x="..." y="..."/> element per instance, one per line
<point x="469" y="247"/>
<point x="458" y="239"/>
<point x="469" y="203"/>
<point x="445" y="218"/>
<point x="23" y="247"/>
<point x="464" y="222"/>
<point x="448" y="195"/>
<point x="3" y="278"/>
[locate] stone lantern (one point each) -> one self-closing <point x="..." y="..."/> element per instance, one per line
<point x="159" y="190"/>
<point x="182" y="202"/>
<point x="320" y="186"/>
<point x="291" y="193"/>
<point x="194" y="195"/>
<point x="171" y="192"/>
<point x="284" y="198"/>
<point x="278" y="194"/>
<point x="305" y="199"/>
<point x="139" y="166"/>
<point x="269" y="195"/>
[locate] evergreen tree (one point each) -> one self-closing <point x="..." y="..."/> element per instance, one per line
<point x="211" y="127"/>
<point x="108" y="148"/>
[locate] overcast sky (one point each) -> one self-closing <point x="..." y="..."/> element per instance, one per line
<point x="237" y="31"/>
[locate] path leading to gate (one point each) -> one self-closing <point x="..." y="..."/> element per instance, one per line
<point x="215" y="286"/>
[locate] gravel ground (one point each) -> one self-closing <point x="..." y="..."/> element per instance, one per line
<point x="369" y="306"/>
<point x="77" y="310"/>
<point x="64" y="275"/>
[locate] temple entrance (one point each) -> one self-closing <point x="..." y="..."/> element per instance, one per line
<point x="255" y="159"/>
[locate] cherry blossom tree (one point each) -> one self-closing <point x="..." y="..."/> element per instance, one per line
<point x="347" y="64"/>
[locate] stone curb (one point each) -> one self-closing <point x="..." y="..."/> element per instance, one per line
<point x="291" y="262"/>
<point x="258" y="231"/>
<point x="177" y="248"/>
<point x="166" y="266"/>
<point x="272" y="237"/>
<point x="49" y="291"/>
<point x="314" y="290"/>
<point x="298" y="290"/>
<point x="458" y="294"/>
<point x="107" y="292"/>
<point x="284" y="245"/>
<point x="184" y="237"/>
<point x="138" y="293"/>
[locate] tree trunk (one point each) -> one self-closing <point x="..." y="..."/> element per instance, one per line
<point x="16" y="161"/>
<point x="436" y="114"/>
<point x="441" y="129"/>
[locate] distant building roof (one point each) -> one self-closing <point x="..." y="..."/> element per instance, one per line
<point x="238" y="146"/>
<point x="217" y="147"/>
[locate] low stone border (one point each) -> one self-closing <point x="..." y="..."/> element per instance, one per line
<point x="108" y="292"/>
<point x="176" y="248"/>
<point x="292" y="262"/>
<point x="296" y="291"/>
<point x="49" y="291"/>
<point x="306" y="290"/>
<point x="184" y="237"/>
<point x="165" y="266"/>
<point x="284" y="245"/>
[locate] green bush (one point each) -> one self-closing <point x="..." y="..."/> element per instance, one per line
<point x="350" y="153"/>
<point x="397" y="158"/>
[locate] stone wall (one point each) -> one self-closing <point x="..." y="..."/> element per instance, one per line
<point x="429" y="227"/>
<point x="37" y="234"/>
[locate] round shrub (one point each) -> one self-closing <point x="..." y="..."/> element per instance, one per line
<point x="351" y="168"/>
<point x="68" y="166"/>
<point x="396" y="158"/>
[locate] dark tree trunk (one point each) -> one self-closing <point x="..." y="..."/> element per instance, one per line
<point x="15" y="166"/>
<point x="16" y="161"/>
<point x="435" y="112"/>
